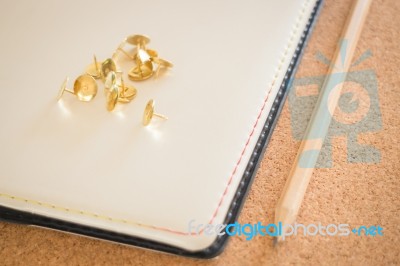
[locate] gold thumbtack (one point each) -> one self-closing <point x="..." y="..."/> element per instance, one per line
<point x="140" y="41"/>
<point x="141" y="72"/>
<point x="117" y="93"/>
<point x="149" y="113"/>
<point x="112" y="97"/>
<point x="100" y="70"/>
<point x="161" y="63"/>
<point x="126" y="93"/>
<point x="85" y="88"/>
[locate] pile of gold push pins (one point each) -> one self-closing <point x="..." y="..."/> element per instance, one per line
<point x="147" y="64"/>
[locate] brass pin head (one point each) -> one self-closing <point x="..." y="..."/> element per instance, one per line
<point x="85" y="88"/>
<point x="161" y="63"/>
<point x="138" y="40"/>
<point x="149" y="113"/>
<point x="141" y="72"/>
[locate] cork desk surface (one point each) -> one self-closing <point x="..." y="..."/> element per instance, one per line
<point x="360" y="187"/>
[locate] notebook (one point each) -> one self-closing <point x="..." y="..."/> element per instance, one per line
<point x="76" y="167"/>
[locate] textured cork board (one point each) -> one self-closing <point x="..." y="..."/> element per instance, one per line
<point x="353" y="193"/>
